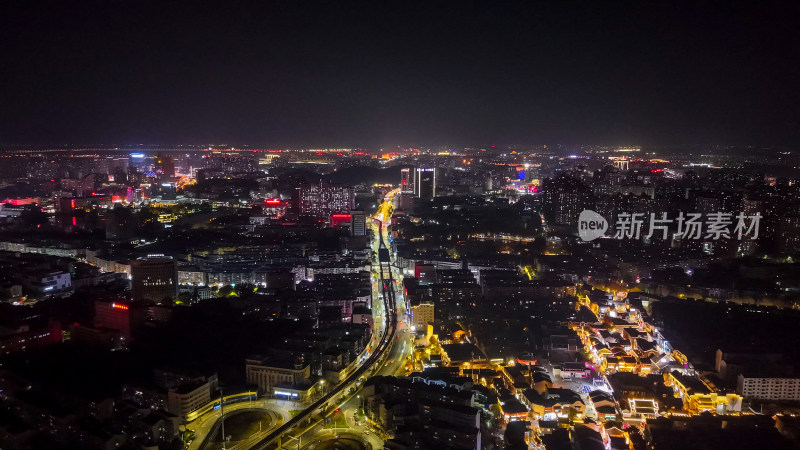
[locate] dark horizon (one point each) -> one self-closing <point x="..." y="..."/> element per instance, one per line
<point x="354" y="74"/>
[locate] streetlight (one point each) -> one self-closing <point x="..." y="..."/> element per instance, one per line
<point x="295" y="438"/>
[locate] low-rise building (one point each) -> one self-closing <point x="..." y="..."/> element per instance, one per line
<point x="279" y="377"/>
<point x="422" y="315"/>
<point x="768" y="388"/>
<point x="188" y="397"/>
<point x="698" y="397"/>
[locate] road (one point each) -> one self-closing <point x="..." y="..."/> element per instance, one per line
<point x="394" y="365"/>
<point x="206" y="426"/>
<point x="389" y="351"/>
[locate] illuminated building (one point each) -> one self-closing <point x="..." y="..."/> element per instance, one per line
<point x="358" y="223"/>
<point x="622" y="164"/>
<point x="425" y="273"/>
<point x="323" y="199"/>
<point x="26" y="338"/>
<point x="164" y="166"/>
<point x="274" y="208"/>
<point x="154" y="278"/>
<point x="189" y="397"/>
<point x="422" y="315"/>
<point x="191" y="275"/>
<point x="513" y="410"/>
<point x="337" y="220"/>
<point x="768" y="388"/>
<point x="564" y="199"/>
<point x="556" y="401"/>
<point x="698" y="397"/>
<point x="406" y="183"/>
<point x="70" y="204"/>
<point x="51" y="283"/>
<point x="121" y="316"/>
<point x="281" y="378"/>
<point x="425" y="183"/>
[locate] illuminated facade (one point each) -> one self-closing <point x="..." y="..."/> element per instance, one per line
<point x="121" y="316"/>
<point x="406" y="182"/>
<point x="338" y="220"/>
<point x="698" y="397"/>
<point x="769" y="388"/>
<point x="275" y="377"/>
<point x="188" y="398"/>
<point x="422" y="315"/>
<point x="164" y="166"/>
<point x="324" y="199"/>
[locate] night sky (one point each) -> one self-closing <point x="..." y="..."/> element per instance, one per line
<point x="376" y="73"/>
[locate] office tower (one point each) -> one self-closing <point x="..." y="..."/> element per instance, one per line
<point x="425" y="183"/>
<point x="406" y="183"/>
<point x="358" y="223"/>
<point x="165" y="166"/>
<point x="154" y="278"/>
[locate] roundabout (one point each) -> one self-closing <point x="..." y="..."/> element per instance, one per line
<point x="343" y="440"/>
<point x="239" y="426"/>
<point x="340" y="444"/>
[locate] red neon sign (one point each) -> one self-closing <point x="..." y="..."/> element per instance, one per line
<point x="119" y="306"/>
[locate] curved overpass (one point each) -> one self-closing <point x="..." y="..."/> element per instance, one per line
<point x="391" y="327"/>
<point x="235" y="410"/>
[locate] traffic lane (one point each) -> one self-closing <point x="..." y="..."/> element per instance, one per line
<point x="317" y="428"/>
<point x="276" y="419"/>
<point x="347" y="397"/>
<point x="206" y="422"/>
<point x="342" y="434"/>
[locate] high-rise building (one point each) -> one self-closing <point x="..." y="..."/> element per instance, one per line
<point x="564" y="198"/>
<point x="165" y="166"/>
<point x="406" y="183"/>
<point x="154" y="278"/>
<point x="323" y="199"/>
<point x="425" y="183"/>
<point x="358" y="223"/>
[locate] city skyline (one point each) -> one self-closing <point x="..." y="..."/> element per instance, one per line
<point x="393" y="225"/>
<point x="446" y="73"/>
